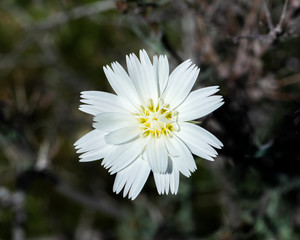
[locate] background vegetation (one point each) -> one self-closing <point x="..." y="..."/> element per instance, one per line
<point x="50" y="51"/>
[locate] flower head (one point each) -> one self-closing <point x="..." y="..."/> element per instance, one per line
<point x="147" y="125"/>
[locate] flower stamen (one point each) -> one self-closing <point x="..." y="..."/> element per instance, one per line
<point x="157" y="120"/>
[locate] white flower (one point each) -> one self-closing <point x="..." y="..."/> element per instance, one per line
<point x="146" y="126"/>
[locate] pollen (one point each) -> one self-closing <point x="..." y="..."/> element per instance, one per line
<point x="157" y="119"/>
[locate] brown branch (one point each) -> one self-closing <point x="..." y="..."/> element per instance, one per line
<point x="279" y="27"/>
<point x="235" y="39"/>
<point x="101" y="205"/>
<point x="293" y="79"/>
<point x="74" y="13"/>
<point x="243" y="60"/>
<point x="274" y="32"/>
<point x="104" y="204"/>
<point x="283" y="14"/>
<point x="268" y="16"/>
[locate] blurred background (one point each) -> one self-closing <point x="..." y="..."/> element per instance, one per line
<point x="50" y="51"/>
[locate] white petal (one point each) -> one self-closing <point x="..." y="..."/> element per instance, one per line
<point x="167" y="181"/>
<point x="207" y="136"/>
<point x="93" y="146"/>
<point x="88" y="137"/>
<point x="143" y="76"/>
<point x="180" y="83"/>
<point x="130" y="88"/>
<point x="140" y="180"/>
<point x="97" y="102"/>
<point x="95" y="154"/>
<point x="150" y="77"/>
<point x="181" y="156"/>
<point x="122" y="85"/>
<point x="97" y="143"/>
<point x="157" y="155"/>
<point x="163" y="72"/>
<point x="122" y="155"/>
<point x="155" y="70"/>
<point x="123" y="135"/>
<point x="112" y="121"/>
<point x="132" y="178"/>
<point x="174" y="181"/>
<point x="193" y="138"/>
<point x="135" y="73"/>
<point x="198" y="104"/>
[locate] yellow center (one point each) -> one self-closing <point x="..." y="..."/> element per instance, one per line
<point x="157" y="120"/>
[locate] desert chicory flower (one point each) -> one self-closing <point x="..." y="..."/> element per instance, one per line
<point x="147" y="125"/>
